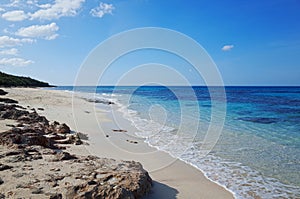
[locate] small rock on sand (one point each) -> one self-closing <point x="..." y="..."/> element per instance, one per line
<point x="119" y="130"/>
<point x="132" y="142"/>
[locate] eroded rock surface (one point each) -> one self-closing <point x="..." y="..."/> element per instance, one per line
<point x="49" y="173"/>
<point x="2" y="92"/>
<point x="33" y="129"/>
<point x="33" y="163"/>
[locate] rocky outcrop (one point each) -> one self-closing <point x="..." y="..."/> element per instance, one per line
<point x="34" y="164"/>
<point x="58" y="174"/>
<point x="2" y="92"/>
<point x="100" y="101"/>
<point x="124" y="179"/>
<point x="19" y="113"/>
<point x="34" y="129"/>
<point x="9" y="101"/>
<point x="24" y="137"/>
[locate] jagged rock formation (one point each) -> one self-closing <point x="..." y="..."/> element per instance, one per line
<point x="47" y="173"/>
<point x="2" y="92"/>
<point x="34" y="164"/>
<point x="33" y="129"/>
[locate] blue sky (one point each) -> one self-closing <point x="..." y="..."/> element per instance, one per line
<point x="252" y="42"/>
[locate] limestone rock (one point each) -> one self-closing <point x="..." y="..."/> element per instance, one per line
<point x="9" y="101"/>
<point x="34" y="129"/>
<point x="63" y="129"/>
<point x="2" y="92"/>
<point x="34" y="153"/>
<point x="55" y="196"/>
<point x="27" y="137"/>
<point x="4" y="167"/>
<point x="62" y="155"/>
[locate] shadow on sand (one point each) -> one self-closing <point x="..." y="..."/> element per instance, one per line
<point x="160" y="190"/>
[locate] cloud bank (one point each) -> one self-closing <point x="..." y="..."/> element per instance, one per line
<point x="6" y="41"/>
<point x="16" y="15"/>
<point x="32" y="20"/>
<point x="15" y="62"/>
<point x="47" y="32"/>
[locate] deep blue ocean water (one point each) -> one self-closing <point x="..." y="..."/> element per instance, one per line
<point x="258" y="152"/>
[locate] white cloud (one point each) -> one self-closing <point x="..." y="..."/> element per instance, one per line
<point x="2" y="10"/>
<point x="32" y="2"/>
<point x="44" y="6"/>
<point x="6" y="41"/>
<point x="14" y="3"/>
<point x="12" y="51"/>
<point x="227" y="47"/>
<point x="59" y="9"/>
<point x="16" y="15"/>
<point x="15" y="62"/>
<point x="102" y="9"/>
<point x="47" y="32"/>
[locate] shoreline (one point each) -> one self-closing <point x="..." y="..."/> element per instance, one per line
<point x="121" y="114"/>
<point x="161" y="166"/>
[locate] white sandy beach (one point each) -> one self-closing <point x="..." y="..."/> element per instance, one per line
<point x="172" y="178"/>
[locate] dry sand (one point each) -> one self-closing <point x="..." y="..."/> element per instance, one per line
<point x="172" y="178"/>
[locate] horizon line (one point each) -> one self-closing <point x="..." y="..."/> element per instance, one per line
<point x="178" y="85"/>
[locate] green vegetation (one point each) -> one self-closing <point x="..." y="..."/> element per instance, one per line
<point x="7" y="80"/>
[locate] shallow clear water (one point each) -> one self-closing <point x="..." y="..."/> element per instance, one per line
<point x="258" y="152"/>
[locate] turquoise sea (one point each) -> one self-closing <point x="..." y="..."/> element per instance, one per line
<point x="258" y="151"/>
